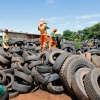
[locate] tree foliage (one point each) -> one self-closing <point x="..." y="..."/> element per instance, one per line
<point x="85" y="34"/>
<point x="68" y="35"/>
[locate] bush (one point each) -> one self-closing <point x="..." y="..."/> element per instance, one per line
<point x="78" y="45"/>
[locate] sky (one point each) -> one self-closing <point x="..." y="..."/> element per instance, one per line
<point x="25" y="15"/>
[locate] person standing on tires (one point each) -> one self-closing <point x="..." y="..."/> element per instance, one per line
<point x="4" y="95"/>
<point x="53" y="38"/>
<point x="42" y="27"/>
<point x="5" y="39"/>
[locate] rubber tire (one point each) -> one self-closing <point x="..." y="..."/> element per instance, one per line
<point x="16" y="55"/>
<point x="54" y="53"/>
<point x="34" y="64"/>
<point x="11" y="82"/>
<point x="24" y="76"/>
<point x="37" y="49"/>
<point x="10" y="70"/>
<point x="72" y="47"/>
<point x="95" y="61"/>
<point x="4" y="60"/>
<point x="25" y="54"/>
<point x="67" y="61"/>
<point x="12" y="93"/>
<point x="88" y="55"/>
<point x="85" y="49"/>
<point x="30" y="58"/>
<point x="16" y="50"/>
<point x="27" y="41"/>
<point x="21" y="88"/>
<point x="3" y="53"/>
<point x="55" y="89"/>
<point x="44" y="69"/>
<point x="91" y="84"/>
<point x="17" y="59"/>
<point x="29" y="47"/>
<point x="26" y="70"/>
<point x="70" y="69"/>
<point x="59" y="61"/>
<point x="78" y="85"/>
<point x="3" y="77"/>
<point x="94" y="51"/>
<point x="53" y="77"/>
<point x="46" y="54"/>
<point x="38" y="78"/>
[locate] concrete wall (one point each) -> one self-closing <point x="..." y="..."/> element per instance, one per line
<point x="17" y="35"/>
<point x="26" y="36"/>
<point x="36" y="36"/>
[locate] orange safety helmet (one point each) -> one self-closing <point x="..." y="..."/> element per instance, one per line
<point x="55" y="30"/>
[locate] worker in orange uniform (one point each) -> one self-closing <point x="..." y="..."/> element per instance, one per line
<point x="6" y="39"/>
<point x="42" y="27"/>
<point x="53" y="38"/>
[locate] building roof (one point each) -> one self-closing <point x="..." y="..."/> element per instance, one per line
<point x="11" y="31"/>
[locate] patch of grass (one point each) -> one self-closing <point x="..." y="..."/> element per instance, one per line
<point x="78" y="45"/>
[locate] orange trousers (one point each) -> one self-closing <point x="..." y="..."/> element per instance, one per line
<point x="53" y="42"/>
<point x="43" y="40"/>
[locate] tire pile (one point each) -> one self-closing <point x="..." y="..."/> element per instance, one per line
<point x="25" y="68"/>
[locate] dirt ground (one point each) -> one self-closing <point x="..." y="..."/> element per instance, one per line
<point x="43" y="95"/>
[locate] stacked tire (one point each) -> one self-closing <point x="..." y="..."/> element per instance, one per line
<point x="25" y="68"/>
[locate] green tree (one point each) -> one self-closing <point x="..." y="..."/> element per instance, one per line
<point x="67" y="34"/>
<point x="88" y="33"/>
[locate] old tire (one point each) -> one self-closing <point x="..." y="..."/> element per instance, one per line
<point x="42" y="55"/>
<point x="55" y="89"/>
<point x="30" y="58"/>
<point x="53" y="54"/>
<point x="70" y="69"/>
<point x="2" y="77"/>
<point x="67" y="61"/>
<point x="12" y="93"/>
<point x="26" y="70"/>
<point x="78" y="85"/>
<point x="34" y="64"/>
<point x="21" y="88"/>
<point x="92" y="84"/>
<point x="44" y="69"/>
<point x="4" y="60"/>
<point x="95" y="61"/>
<point x="59" y="61"/>
<point x="24" y="76"/>
<point x="11" y="80"/>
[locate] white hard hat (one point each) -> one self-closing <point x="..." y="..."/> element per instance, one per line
<point x="42" y="20"/>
